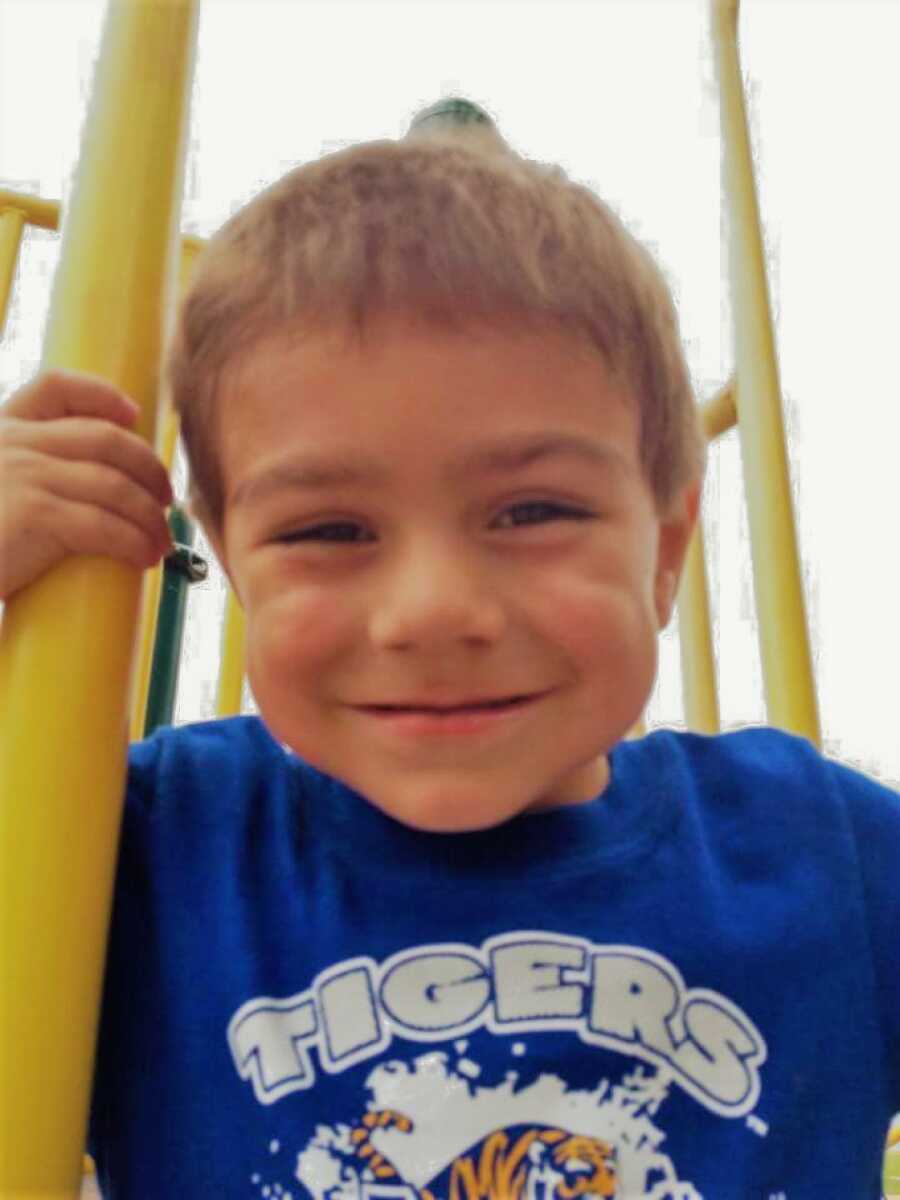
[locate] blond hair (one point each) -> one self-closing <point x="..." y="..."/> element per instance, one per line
<point x="458" y="232"/>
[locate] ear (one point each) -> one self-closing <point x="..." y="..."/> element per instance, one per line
<point x="675" y="533"/>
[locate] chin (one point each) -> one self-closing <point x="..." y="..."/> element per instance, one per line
<point x="445" y="820"/>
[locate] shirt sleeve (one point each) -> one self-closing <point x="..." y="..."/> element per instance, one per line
<point x="874" y="812"/>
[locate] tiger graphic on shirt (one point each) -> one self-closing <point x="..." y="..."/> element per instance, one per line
<point x="496" y="1170"/>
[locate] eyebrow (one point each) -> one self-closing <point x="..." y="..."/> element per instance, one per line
<point x="512" y="454"/>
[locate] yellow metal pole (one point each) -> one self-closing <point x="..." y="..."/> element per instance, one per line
<point x="698" y="672"/>
<point x="719" y="414"/>
<point x="231" y="673"/>
<point x="44" y="213"/>
<point x="638" y="729"/>
<point x="12" y="222"/>
<point x="67" y="642"/>
<point x="784" y="639"/>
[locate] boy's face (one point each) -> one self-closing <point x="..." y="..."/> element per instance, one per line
<point x="437" y="584"/>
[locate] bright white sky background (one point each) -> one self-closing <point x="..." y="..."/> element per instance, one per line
<point x="623" y="95"/>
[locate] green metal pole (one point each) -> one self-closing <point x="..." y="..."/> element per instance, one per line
<point x="182" y="568"/>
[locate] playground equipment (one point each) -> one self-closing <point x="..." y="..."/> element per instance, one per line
<point x="88" y="653"/>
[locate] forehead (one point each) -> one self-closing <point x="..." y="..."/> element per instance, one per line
<point x="518" y="364"/>
<point x="321" y="411"/>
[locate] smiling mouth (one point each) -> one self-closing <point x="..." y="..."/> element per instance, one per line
<point x="513" y="702"/>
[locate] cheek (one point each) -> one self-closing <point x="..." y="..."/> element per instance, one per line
<point x="300" y="628"/>
<point x="597" y="618"/>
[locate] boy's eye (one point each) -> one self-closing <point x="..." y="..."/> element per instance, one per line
<point x="318" y="532"/>
<point x="562" y="510"/>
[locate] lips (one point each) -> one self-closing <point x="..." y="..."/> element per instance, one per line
<point x="465" y="706"/>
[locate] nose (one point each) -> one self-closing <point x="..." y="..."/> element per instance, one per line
<point x="433" y="596"/>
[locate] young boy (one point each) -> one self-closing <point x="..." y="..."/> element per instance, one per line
<point x="429" y="927"/>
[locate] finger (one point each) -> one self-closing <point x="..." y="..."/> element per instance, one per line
<point x="91" y="441"/>
<point x="107" y="490"/>
<point x="65" y="393"/>
<point x="89" y="529"/>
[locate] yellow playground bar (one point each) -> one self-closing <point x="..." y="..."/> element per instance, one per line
<point x="76" y="646"/>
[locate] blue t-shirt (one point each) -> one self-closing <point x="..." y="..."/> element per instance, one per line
<point x="688" y="987"/>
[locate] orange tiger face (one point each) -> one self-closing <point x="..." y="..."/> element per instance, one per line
<point x="600" y="1181"/>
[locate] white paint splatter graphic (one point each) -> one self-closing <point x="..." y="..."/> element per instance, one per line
<point x="449" y="1121"/>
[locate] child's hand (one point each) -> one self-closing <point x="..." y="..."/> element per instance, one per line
<point x="75" y="480"/>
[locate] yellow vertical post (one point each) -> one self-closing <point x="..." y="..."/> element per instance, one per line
<point x="67" y="641"/>
<point x="12" y="222"/>
<point x="698" y="669"/>
<point x="231" y="672"/>
<point x="638" y="729"/>
<point x="698" y="672"/>
<point x="784" y="639"/>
